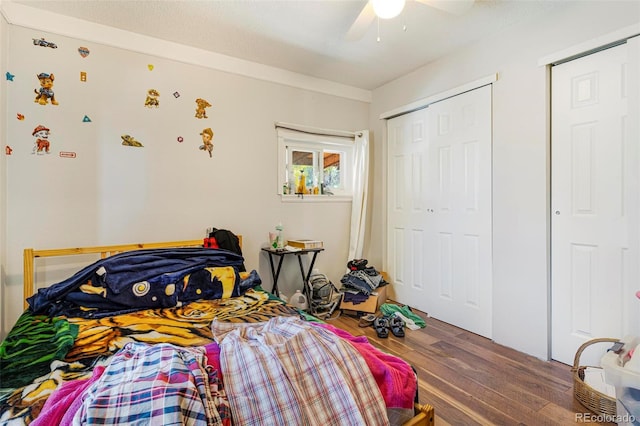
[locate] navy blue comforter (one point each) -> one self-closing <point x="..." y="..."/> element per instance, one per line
<point x="141" y="279"/>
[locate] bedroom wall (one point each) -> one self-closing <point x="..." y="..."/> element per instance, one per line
<point x="520" y="151"/>
<point x="166" y="190"/>
<point x="3" y="165"/>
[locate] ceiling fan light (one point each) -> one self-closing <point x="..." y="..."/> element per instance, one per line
<point x="387" y="9"/>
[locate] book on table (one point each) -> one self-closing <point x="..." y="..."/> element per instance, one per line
<point x="306" y="244"/>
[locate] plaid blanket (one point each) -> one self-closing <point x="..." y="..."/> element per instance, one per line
<point x="152" y="384"/>
<point x="99" y="339"/>
<point x="287" y="372"/>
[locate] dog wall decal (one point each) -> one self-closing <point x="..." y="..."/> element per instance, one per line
<point x="45" y="92"/>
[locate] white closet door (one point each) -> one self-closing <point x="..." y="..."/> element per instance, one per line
<point x="439" y="210"/>
<point x="594" y="203"/>
<point x="406" y="213"/>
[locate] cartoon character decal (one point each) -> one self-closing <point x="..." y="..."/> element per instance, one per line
<point x="207" y="138"/>
<point x="44" y="43"/>
<point x="201" y="112"/>
<point x="45" y="93"/>
<point x="152" y="99"/>
<point x="42" y="144"/>
<point x="130" y="141"/>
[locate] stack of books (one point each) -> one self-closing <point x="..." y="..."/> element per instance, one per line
<point x="306" y="244"/>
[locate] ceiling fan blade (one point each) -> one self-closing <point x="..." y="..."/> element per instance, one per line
<point x="457" y="7"/>
<point x="362" y="23"/>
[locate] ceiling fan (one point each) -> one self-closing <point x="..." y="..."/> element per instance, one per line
<point x="386" y="9"/>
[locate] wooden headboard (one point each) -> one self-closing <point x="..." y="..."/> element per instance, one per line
<point x="105" y="251"/>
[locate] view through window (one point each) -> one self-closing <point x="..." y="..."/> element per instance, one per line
<point x="314" y="165"/>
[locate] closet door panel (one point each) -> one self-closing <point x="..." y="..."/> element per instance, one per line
<point x="439" y="210"/>
<point x="594" y="203"/>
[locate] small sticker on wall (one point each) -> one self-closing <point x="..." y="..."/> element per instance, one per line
<point x="83" y="51"/>
<point x="128" y="140"/>
<point x="41" y="144"/>
<point x="176" y="95"/>
<point x="150" y="66"/>
<point x="45" y="93"/>
<point x="86" y="119"/>
<point x="67" y="154"/>
<point x="152" y="100"/>
<point x="20" y="116"/>
<point x="44" y="43"/>
<point x="207" y="141"/>
<point x="201" y="111"/>
<point x="9" y="76"/>
<point x="180" y="139"/>
<point x="83" y="76"/>
<point x="8" y="150"/>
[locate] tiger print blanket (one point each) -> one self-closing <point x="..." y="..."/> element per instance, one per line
<point x="98" y="339"/>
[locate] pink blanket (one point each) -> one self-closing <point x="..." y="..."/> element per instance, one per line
<point x="394" y="376"/>
<point x="63" y="403"/>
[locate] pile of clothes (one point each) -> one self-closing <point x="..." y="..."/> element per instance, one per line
<point x="360" y="281"/>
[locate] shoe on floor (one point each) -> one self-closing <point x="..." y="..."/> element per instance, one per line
<point x="366" y="320"/>
<point x="381" y="325"/>
<point x="397" y="326"/>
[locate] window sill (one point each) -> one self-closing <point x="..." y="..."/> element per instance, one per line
<point x="310" y="198"/>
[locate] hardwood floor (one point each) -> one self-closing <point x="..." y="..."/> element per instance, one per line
<point x="470" y="380"/>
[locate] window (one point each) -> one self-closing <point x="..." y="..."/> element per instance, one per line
<point x="312" y="165"/>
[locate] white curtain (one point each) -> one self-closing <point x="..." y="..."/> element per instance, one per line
<point x="360" y="190"/>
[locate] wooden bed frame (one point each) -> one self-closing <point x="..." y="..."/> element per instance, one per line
<point x="424" y="413"/>
<point x="30" y="256"/>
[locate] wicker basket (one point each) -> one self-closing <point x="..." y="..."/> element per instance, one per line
<point x="595" y="401"/>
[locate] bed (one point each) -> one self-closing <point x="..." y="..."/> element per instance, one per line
<point x="175" y="333"/>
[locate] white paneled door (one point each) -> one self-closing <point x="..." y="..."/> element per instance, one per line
<point x="439" y="210"/>
<point x="594" y="203"/>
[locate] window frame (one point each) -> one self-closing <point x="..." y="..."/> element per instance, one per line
<point x="289" y="141"/>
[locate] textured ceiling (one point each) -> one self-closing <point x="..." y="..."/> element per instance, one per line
<point x="306" y="36"/>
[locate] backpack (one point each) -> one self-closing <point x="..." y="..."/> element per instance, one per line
<point x="226" y="240"/>
<point x="325" y="297"/>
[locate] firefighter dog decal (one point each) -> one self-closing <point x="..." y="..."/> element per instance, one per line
<point x="42" y="144"/>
